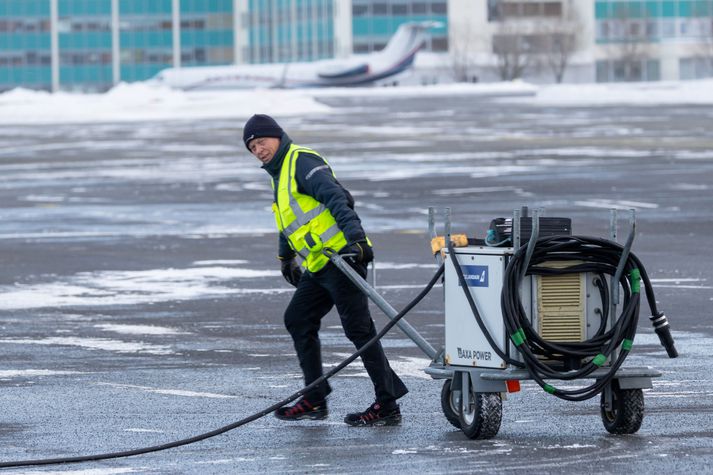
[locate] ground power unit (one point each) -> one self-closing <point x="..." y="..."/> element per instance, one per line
<point x="558" y="309"/>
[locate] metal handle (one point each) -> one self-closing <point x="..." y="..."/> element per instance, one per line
<point x="380" y="302"/>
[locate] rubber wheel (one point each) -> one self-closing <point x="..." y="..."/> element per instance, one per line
<point x="450" y="403"/>
<point x="481" y="420"/>
<point x="627" y="411"/>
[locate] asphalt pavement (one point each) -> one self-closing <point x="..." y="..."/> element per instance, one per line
<point x="141" y="301"/>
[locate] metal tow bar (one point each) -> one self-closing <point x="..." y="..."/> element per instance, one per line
<point x="379" y="301"/>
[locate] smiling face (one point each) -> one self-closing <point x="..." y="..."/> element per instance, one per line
<point x="264" y="148"/>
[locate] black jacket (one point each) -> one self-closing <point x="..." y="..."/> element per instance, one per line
<point x="315" y="178"/>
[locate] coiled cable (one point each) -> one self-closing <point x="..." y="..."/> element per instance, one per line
<point x="606" y="348"/>
<point x="572" y="360"/>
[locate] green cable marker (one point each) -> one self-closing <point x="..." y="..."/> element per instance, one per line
<point x="635" y="278"/>
<point x="627" y="344"/>
<point x="518" y="337"/>
<point x="549" y="389"/>
<point x="599" y="360"/>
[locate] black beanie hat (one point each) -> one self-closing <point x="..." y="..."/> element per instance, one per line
<point x="260" y="125"/>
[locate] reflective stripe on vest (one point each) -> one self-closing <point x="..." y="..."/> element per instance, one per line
<point x="308" y="232"/>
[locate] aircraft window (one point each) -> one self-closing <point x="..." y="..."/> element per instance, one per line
<point x="399" y="9"/>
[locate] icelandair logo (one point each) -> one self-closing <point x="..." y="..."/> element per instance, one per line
<point x="475" y="276"/>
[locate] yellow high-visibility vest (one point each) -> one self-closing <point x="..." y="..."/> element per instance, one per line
<point x="307" y="224"/>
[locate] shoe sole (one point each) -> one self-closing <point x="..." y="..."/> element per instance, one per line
<point x="386" y="421"/>
<point x="315" y="416"/>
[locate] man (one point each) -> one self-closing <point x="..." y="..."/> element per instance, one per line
<point x="313" y="211"/>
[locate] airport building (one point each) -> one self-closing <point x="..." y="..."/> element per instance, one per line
<point x="91" y="45"/>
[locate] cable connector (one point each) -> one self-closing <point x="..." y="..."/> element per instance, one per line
<point x="663" y="330"/>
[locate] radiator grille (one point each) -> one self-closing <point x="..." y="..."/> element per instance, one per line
<point x="560" y="307"/>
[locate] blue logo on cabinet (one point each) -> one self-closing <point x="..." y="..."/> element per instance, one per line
<point x="475" y="276"/>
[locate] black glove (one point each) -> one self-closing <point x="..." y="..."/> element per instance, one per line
<point x="291" y="271"/>
<point x="363" y="254"/>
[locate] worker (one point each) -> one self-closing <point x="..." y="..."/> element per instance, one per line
<point x="313" y="211"/>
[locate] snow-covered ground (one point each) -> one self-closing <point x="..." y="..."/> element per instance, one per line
<point x="141" y="102"/>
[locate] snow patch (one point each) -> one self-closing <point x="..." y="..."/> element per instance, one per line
<point x="105" y="344"/>
<point x="142" y="102"/>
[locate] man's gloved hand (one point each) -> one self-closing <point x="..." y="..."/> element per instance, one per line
<point x="291" y="271"/>
<point x="363" y="254"/>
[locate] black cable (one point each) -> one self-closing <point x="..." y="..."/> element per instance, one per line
<point x="257" y="415"/>
<point x="550" y="360"/>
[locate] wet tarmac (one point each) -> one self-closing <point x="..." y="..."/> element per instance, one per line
<point x="141" y="302"/>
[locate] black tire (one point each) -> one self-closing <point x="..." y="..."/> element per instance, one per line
<point x="627" y="411"/>
<point x="450" y="403"/>
<point x="482" y="419"/>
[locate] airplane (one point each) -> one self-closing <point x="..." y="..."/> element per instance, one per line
<point x="358" y="70"/>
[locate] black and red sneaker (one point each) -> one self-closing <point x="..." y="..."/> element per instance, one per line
<point x="303" y="409"/>
<point x="375" y="415"/>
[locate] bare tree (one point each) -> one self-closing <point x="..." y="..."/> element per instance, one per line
<point x="535" y="35"/>
<point x="463" y="48"/>
<point x="560" y="41"/>
<point x="512" y="50"/>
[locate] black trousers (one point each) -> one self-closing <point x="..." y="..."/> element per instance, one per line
<point x="315" y="296"/>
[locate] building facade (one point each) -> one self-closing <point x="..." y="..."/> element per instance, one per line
<point x="650" y="40"/>
<point x="91" y="45"/>
<point x="374" y="22"/>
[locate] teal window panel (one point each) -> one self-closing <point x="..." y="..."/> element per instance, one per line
<point x="652" y="9"/>
<point x="146" y="38"/>
<point x="620" y="10"/>
<point x="219" y="38"/>
<point x="89" y="40"/>
<point x="145" y="6"/>
<point x="700" y="8"/>
<point x="601" y="10"/>
<point x="684" y="8"/>
<point x="635" y="9"/>
<point x="127" y="40"/>
<point x="157" y="38"/>
<point x="18" y="75"/>
<point x="21" y="41"/>
<point x="201" y="6"/>
<point x="25" y="7"/>
<point x="362" y="26"/>
<point x="45" y="42"/>
<point x="668" y="8"/>
<point x="83" y="7"/>
<point x="195" y="38"/>
<point x="45" y="74"/>
<point x="78" y="75"/>
<point x="26" y="76"/>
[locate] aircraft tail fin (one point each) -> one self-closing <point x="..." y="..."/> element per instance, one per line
<point x="409" y="38"/>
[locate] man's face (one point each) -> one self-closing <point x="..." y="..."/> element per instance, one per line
<point x="264" y="148"/>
